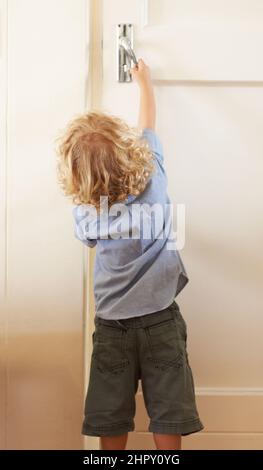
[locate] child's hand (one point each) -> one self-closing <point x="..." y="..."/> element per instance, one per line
<point x="142" y="73"/>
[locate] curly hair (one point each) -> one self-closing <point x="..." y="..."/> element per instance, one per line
<point x="101" y="155"/>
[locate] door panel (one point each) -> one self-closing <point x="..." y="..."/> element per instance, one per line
<point x="205" y="61"/>
<point x="204" y="40"/>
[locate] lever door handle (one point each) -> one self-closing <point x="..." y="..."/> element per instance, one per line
<point x="125" y="52"/>
<point x="126" y="44"/>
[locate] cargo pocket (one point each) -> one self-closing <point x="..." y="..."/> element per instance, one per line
<point x="110" y="349"/>
<point x="166" y="347"/>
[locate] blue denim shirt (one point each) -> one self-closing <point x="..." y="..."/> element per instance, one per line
<point x="135" y="276"/>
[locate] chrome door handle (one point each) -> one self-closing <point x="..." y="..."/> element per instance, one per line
<point x="126" y="44"/>
<point x="125" y="52"/>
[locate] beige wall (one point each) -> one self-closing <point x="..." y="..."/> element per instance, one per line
<point x="44" y="58"/>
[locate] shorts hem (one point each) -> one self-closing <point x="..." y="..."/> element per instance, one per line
<point x="114" y="429"/>
<point x="183" y="428"/>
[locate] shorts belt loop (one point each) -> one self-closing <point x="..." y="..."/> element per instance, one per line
<point x="121" y="325"/>
<point x="142" y="321"/>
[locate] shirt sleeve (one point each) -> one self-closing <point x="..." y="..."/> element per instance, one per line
<point x="85" y="225"/>
<point x="154" y="142"/>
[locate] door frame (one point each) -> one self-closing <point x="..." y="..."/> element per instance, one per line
<point x="93" y="102"/>
<point x="3" y="209"/>
<point x="3" y="143"/>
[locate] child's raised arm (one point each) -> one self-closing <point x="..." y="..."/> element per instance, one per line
<point x="147" y="114"/>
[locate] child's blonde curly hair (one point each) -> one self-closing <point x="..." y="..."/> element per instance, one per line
<point x="101" y="155"/>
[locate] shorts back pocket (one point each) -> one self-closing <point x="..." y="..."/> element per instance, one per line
<point x="109" y="349"/>
<point x="166" y="347"/>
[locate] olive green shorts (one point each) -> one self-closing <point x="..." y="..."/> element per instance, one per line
<point x="150" y="348"/>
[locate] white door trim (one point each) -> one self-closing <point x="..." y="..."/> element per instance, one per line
<point x="229" y="391"/>
<point x="94" y="98"/>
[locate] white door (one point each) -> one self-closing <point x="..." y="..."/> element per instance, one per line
<point x="207" y="68"/>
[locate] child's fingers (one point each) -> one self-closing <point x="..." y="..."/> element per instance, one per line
<point x="138" y="68"/>
<point x="141" y="64"/>
<point x="133" y="70"/>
